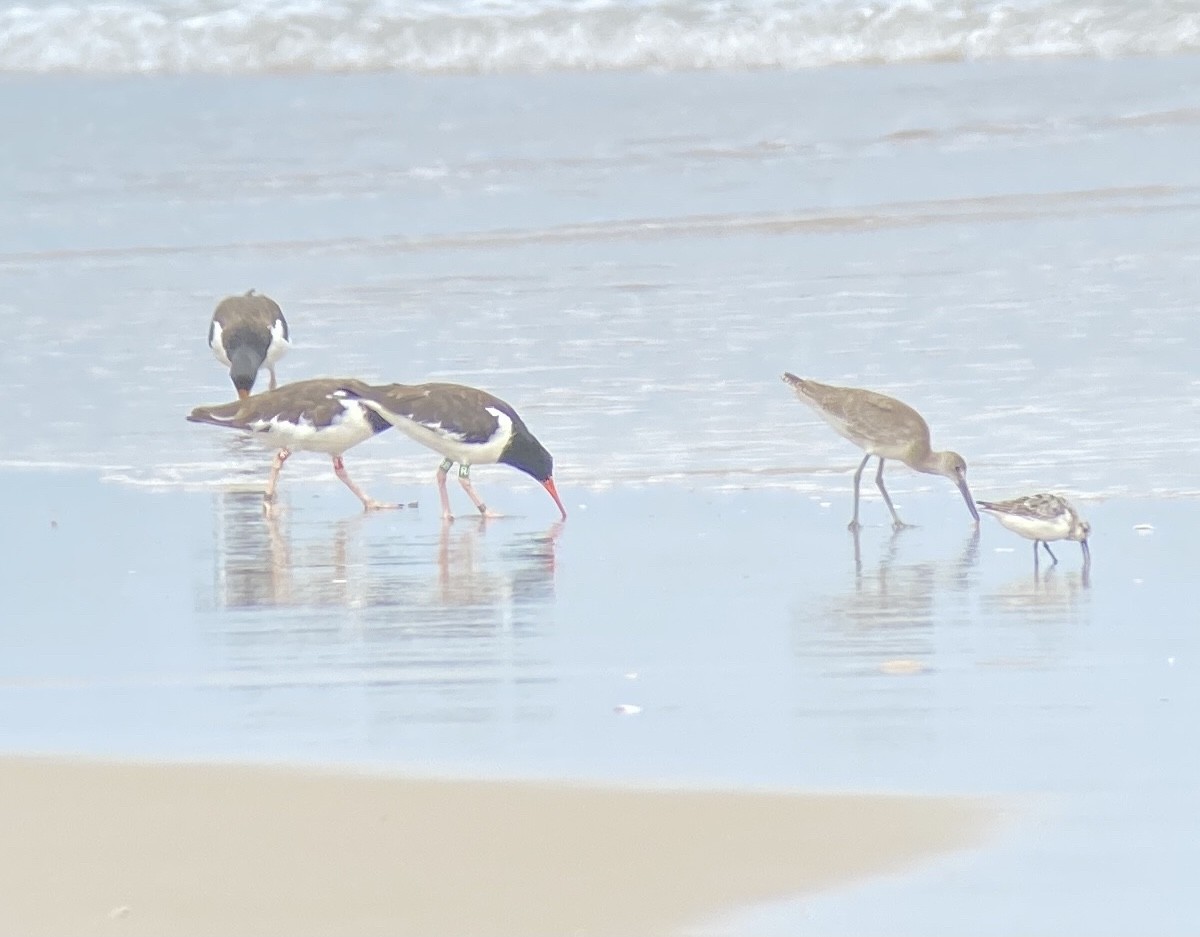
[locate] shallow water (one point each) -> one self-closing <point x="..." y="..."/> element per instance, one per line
<point x="666" y="635"/>
<point x="1008" y="247"/>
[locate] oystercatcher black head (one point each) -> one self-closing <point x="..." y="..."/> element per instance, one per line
<point x="247" y="352"/>
<point x="246" y="334"/>
<point x="468" y="426"/>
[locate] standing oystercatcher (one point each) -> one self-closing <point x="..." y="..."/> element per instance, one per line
<point x="323" y="415"/>
<point x="247" y="333"/>
<point x="885" y="428"/>
<point x="1040" y="518"/>
<point x="467" y="426"/>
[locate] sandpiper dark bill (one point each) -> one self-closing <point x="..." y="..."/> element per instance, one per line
<point x="466" y="426"/>
<point x="248" y="333"/>
<point x="1042" y="518"/>
<point x="885" y="428"/>
<point x="323" y="415"/>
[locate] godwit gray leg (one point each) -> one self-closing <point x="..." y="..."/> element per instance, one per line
<point x="1053" y="558"/>
<point x="897" y="524"/>
<point x="853" y="525"/>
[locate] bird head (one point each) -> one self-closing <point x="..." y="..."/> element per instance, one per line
<point x="954" y="467"/>
<point x="524" y="452"/>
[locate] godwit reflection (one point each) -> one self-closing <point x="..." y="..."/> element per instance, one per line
<point x="888" y="610"/>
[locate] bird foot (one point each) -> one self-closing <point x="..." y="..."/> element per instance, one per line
<point x="900" y="525"/>
<point x="384" y="506"/>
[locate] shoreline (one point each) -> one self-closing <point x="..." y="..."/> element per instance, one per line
<point x="108" y="847"/>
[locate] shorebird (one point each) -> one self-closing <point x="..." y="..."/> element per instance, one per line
<point x="886" y="428"/>
<point x="467" y="426"/>
<point x="323" y="415"/>
<point x="1041" y="518"/>
<point x="248" y="333"/>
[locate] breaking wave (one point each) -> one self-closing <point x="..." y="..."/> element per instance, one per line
<point x="445" y="36"/>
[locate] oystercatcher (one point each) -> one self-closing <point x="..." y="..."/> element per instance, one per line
<point x="248" y="333"/>
<point x="323" y="415"/>
<point x="885" y="428"/>
<point x="1041" y="518"/>
<point x="467" y="426"/>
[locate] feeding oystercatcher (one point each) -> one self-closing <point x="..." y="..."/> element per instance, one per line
<point x="1040" y="518"/>
<point x="467" y="426"/>
<point x="323" y="415"/>
<point x="248" y="333"/>
<point x="885" y="428"/>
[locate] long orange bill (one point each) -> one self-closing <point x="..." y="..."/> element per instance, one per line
<point x="548" y="484"/>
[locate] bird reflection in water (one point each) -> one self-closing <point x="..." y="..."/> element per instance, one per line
<point x="386" y="619"/>
<point x="462" y="580"/>
<point x="905" y="592"/>
<point x="1045" y="595"/>
<point x="887" y="614"/>
<point x="281" y="559"/>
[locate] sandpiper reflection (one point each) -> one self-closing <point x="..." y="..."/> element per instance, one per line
<point x="1044" y="594"/>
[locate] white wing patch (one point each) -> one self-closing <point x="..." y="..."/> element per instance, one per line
<point x="218" y="346"/>
<point x="348" y="429"/>
<point x="453" y="445"/>
<point x="279" y="343"/>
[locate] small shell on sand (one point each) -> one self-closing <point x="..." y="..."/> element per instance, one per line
<point x="901" y="667"/>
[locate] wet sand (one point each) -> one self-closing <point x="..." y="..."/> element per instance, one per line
<point x="107" y="848"/>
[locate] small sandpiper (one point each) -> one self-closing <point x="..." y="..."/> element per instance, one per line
<point x="248" y="333"/>
<point x="1041" y="518"/>
<point x="322" y="415"/>
<point x="467" y="426"/>
<point x="886" y="428"/>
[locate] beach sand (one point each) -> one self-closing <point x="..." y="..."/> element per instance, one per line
<point x="126" y="848"/>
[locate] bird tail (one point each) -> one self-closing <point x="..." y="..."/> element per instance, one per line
<point x="225" y="414"/>
<point x="797" y="383"/>
<point x="987" y="505"/>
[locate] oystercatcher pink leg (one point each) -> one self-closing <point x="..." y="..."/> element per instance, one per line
<point x="369" y="504"/>
<point x="273" y="479"/>
<point x="464" y="479"/>
<point x="443" y="469"/>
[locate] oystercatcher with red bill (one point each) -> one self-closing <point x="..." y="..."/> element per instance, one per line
<point x="324" y="415"/>
<point x="467" y="426"/>
<point x="248" y="333"/>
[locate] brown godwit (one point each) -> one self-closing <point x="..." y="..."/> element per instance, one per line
<point x="885" y="428"/>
